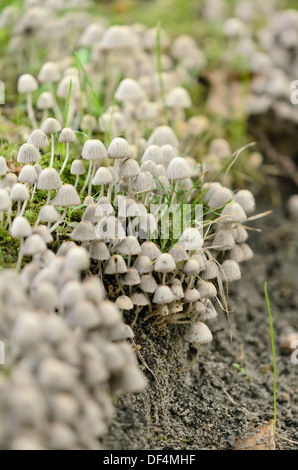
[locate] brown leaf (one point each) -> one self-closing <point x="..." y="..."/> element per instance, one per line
<point x="260" y="438"/>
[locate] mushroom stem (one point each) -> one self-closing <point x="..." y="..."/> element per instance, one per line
<point x="20" y="257"/>
<point x="52" y="151"/>
<point x="102" y="190"/>
<point x="23" y="207"/>
<point x="30" y="111"/>
<point x="49" y="197"/>
<point x="87" y="177"/>
<point x="33" y="191"/>
<point x="19" y="208"/>
<point x="66" y="158"/>
<point x="175" y="190"/>
<point x="59" y="221"/>
<point x="138" y="309"/>
<point x="45" y="115"/>
<point x="91" y="178"/>
<point x="77" y="180"/>
<point x="110" y="191"/>
<point x="56" y="108"/>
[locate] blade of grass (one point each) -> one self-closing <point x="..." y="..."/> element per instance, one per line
<point x="273" y="351"/>
<point x="97" y="104"/>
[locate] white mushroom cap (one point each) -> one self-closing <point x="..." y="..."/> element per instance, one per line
<point x="178" y="253"/>
<point x="148" y="283"/>
<point x="28" y="153"/>
<point x="49" y="72"/>
<point x="119" y="148"/>
<point x="124" y="303"/>
<point x="233" y="212"/>
<point x="153" y="153"/>
<point x="129" y="168"/>
<point x="84" y="231"/>
<point x="199" y="333"/>
<point x="64" y="86"/>
<point x="163" y="295"/>
<point x="45" y="100"/>
<point x="94" y="150"/>
<point x="3" y="166"/>
<point x="129" y="246"/>
<point x="164" y="263"/>
<point x="99" y="251"/>
<point x="27" y="83"/>
<point x="144" y="181"/>
<point x="220" y="148"/>
<point x="77" y="259"/>
<point x="220" y="197"/>
<point x="66" y="196"/>
<point x="191" y="239"/>
<point x="139" y="299"/>
<point x="178" y="98"/>
<point x="129" y="90"/>
<point x="38" y="139"/>
<point x="211" y="270"/>
<point x="163" y="135"/>
<point x="246" y="200"/>
<point x="116" y="265"/>
<point x="92" y="34"/>
<point x="143" y="264"/>
<point x="178" y="169"/>
<point x="49" y="213"/>
<point x="131" y="277"/>
<point x="231" y="271"/>
<point x="102" y="176"/>
<point x="49" y="179"/>
<point x="67" y="135"/>
<point x="119" y="37"/>
<point x="83" y="314"/>
<point x="151" y="250"/>
<point x="191" y="295"/>
<point x="20" y="228"/>
<point x="51" y="126"/>
<point x="192" y="266"/>
<point x="77" y="168"/>
<point x="34" y="244"/>
<point x="5" y="201"/>
<point x="44" y="232"/>
<point x="19" y="192"/>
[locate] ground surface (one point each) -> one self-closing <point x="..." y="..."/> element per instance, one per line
<point x="207" y="407"/>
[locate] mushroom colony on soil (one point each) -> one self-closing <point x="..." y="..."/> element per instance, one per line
<point x="108" y="182"/>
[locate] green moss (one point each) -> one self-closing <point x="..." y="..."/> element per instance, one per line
<point x="9" y="248"/>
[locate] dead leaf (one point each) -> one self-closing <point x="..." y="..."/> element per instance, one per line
<point x="260" y="438"/>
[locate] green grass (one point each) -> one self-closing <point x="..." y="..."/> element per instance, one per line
<point x="273" y="353"/>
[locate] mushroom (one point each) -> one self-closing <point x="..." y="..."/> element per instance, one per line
<point x="26" y="85"/>
<point x="66" y="136"/>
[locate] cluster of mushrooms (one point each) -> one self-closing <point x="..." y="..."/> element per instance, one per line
<point x="272" y="58"/>
<point x="66" y="354"/>
<point x="123" y="168"/>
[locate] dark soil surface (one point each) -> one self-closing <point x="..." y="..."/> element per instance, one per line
<point x="210" y="405"/>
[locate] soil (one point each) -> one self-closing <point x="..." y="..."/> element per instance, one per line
<point x="210" y="405"/>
